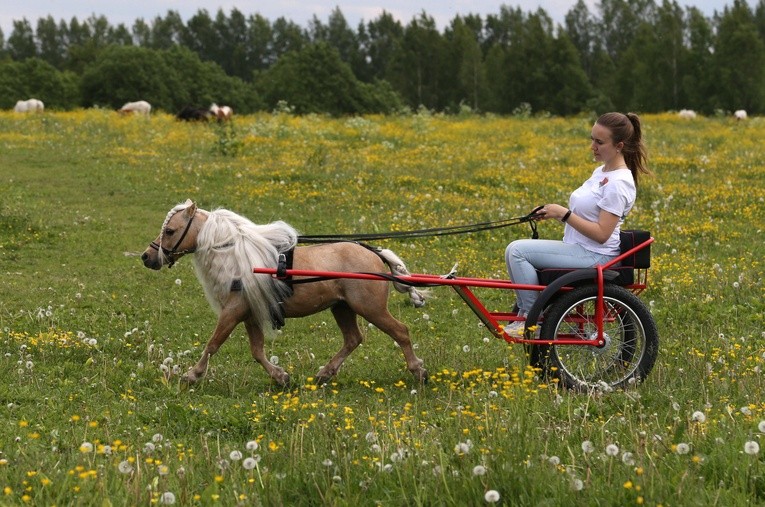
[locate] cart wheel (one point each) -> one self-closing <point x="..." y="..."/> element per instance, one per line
<point x="632" y="340"/>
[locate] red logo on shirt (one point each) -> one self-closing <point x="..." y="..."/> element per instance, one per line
<point x="604" y="181"/>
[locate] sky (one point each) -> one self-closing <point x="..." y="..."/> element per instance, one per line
<point x="298" y="11"/>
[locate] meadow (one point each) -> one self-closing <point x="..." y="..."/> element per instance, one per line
<point x="93" y="344"/>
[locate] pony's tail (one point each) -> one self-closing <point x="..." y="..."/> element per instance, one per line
<point x="398" y="267"/>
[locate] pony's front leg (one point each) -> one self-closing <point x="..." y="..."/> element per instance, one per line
<point x="255" y="334"/>
<point x="230" y="316"/>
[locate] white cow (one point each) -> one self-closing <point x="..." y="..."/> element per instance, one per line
<point x="687" y="114"/>
<point x="29" y="106"/>
<point x="740" y="114"/>
<point x="222" y="113"/>
<point x="140" y="107"/>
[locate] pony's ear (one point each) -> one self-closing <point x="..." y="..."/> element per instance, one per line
<point x="191" y="208"/>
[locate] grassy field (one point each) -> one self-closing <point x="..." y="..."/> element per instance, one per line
<point x="94" y="344"/>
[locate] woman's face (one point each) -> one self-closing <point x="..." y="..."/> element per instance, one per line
<point x="602" y="145"/>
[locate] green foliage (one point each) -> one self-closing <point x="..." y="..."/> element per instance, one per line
<point x="316" y="80"/>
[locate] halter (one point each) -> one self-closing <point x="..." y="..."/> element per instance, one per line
<point x="173" y="252"/>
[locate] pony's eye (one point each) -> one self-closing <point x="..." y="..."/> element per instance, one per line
<point x="169" y="232"/>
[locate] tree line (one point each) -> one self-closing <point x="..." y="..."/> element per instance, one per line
<point x="636" y="55"/>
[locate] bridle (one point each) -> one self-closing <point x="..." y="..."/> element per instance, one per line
<point x="173" y="253"/>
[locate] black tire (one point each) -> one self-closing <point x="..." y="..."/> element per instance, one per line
<point x="632" y="340"/>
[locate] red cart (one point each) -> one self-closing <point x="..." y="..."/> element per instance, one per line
<point x="588" y="328"/>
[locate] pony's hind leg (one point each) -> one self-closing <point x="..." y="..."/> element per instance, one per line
<point x="255" y="334"/>
<point x="347" y="322"/>
<point x="396" y="329"/>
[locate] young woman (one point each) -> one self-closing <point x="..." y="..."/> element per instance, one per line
<point x="594" y="214"/>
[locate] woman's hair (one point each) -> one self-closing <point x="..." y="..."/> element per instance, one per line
<point x="625" y="128"/>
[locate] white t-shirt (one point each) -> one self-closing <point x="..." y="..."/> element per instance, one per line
<point x="612" y="191"/>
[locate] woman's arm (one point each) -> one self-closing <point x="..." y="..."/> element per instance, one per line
<point x="598" y="231"/>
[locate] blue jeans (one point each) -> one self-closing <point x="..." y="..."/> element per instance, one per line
<point x="525" y="256"/>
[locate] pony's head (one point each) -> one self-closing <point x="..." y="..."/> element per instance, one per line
<point x="177" y="237"/>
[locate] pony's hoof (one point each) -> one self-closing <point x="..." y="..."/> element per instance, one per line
<point x="283" y="381"/>
<point x="422" y="376"/>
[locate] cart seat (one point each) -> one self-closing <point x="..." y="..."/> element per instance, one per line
<point x="629" y="239"/>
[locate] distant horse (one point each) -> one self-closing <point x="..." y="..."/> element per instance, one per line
<point x="140" y="107"/>
<point x="189" y="113"/>
<point x="228" y="246"/>
<point x="222" y="113"/>
<point x="29" y="106"/>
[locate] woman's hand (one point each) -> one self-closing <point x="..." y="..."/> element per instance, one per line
<point x="555" y="211"/>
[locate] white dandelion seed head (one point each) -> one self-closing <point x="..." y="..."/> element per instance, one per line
<point x="612" y="450"/>
<point x="252" y="445"/>
<point x="149" y="447"/>
<point x="86" y="447"/>
<point x="761" y="427"/>
<point x="577" y="485"/>
<point x="274" y="359"/>
<point x="387" y="468"/>
<point x="628" y="458"/>
<point x="554" y="460"/>
<point x="466" y="348"/>
<point x="683" y="448"/>
<point x="371" y="437"/>
<point x="425" y="316"/>
<point x="157" y="438"/>
<point x="249" y="463"/>
<point x="375" y="448"/>
<point x="751" y="447"/>
<point x="92" y="342"/>
<point x="178" y="281"/>
<point x="491" y="496"/>
<point x="125" y="467"/>
<point x="327" y="462"/>
<point x="587" y="447"/>
<point x="235" y="455"/>
<point x="479" y="470"/>
<point x="163" y="470"/>
<point x="698" y="416"/>
<point x="167" y="498"/>
<point x="746" y="410"/>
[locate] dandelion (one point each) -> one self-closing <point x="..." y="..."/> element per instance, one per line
<point x="462" y="448"/>
<point x="149" y="447"/>
<point x="491" y="496"/>
<point x="466" y="348"/>
<point x="167" y="498"/>
<point x="682" y="448"/>
<point x="125" y="467"/>
<point x="612" y="450"/>
<point x="577" y="485"/>
<point x="746" y="410"/>
<point x="554" y="460"/>
<point x="327" y="463"/>
<point x="86" y="447"/>
<point x="587" y="447"/>
<point x="761" y="426"/>
<point x="178" y="282"/>
<point x="628" y="459"/>
<point x="371" y="437"/>
<point x="249" y="463"/>
<point x="252" y="445"/>
<point x="698" y="416"/>
<point x="163" y="470"/>
<point x="235" y="455"/>
<point x="274" y="360"/>
<point x="479" y="470"/>
<point x="751" y="447"/>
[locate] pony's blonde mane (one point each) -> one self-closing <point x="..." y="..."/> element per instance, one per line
<point x="228" y="247"/>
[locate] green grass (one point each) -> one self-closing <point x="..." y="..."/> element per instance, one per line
<point x="94" y="343"/>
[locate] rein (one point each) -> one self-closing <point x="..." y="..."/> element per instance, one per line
<point x="173" y="251"/>
<point x="437" y="231"/>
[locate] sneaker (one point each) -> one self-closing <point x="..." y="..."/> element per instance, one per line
<point x="515" y="328"/>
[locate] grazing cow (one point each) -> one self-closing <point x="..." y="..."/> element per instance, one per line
<point x="140" y="107"/>
<point x="29" y="106"/>
<point x="189" y="113"/>
<point x="740" y="114"/>
<point x="222" y="113"/>
<point x="687" y="114"/>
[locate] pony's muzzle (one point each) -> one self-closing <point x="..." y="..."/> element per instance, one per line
<point x="151" y="262"/>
